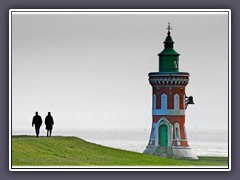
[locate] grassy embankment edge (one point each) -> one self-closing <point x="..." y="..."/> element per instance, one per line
<point x="73" y="151"/>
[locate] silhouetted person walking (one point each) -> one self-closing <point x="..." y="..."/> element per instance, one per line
<point x="49" y="124"/>
<point x="37" y="121"/>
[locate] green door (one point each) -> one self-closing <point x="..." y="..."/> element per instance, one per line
<point x="163" y="138"/>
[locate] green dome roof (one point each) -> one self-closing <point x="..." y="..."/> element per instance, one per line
<point x="168" y="51"/>
<point x="168" y="40"/>
<point x="168" y="44"/>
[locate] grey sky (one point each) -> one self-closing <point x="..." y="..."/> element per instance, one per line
<point x="91" y="70"/>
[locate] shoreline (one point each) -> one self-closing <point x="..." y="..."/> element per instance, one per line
<point x="70" y="150"/>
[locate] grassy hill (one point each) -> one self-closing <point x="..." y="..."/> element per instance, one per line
<point x="72" y="151"/>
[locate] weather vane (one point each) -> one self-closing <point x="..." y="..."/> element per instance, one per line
<point x="169" y="27"/>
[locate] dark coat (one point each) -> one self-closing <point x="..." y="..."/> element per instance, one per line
<point x="37" y="120"/>
<point x="49" y="122"/>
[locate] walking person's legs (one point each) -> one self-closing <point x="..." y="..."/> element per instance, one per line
<point x="37" y="130"/>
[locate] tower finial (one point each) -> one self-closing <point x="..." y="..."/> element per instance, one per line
<point x="169" y="28"/>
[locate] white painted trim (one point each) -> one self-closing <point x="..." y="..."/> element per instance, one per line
<point x="164" y="109"/>
<point x="152" y="135"/>
<point x="185" y="132"/>
<point x="168" y="112"/>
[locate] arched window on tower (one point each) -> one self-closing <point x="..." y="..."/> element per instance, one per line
<point x="164" y="101"/>
<point x="177" y="131"/>
<point x="176" y="102"/>
<point x="154" y="101"/>
<point x="176" y="64"/>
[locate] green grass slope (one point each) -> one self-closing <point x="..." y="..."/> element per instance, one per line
<point x="72" y="151"/>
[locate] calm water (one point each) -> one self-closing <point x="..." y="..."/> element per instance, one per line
<point x="203" y="142"/>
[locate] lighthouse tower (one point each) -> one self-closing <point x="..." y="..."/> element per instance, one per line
<point x="168" y="136"/>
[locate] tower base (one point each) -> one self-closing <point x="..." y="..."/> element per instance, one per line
<point x="177" y="152"/>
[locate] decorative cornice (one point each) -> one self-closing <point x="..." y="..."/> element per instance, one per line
<point x="168" y="80"/>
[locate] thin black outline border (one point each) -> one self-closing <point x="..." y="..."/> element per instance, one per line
<point x="69" y="168"/>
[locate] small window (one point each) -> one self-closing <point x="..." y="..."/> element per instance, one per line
<point x="154" y="101"/>
<point x="176" y="102"/>
<point x="164" y="101"/>
<point x="177" y="133"/>
<point x="176" y="64"/>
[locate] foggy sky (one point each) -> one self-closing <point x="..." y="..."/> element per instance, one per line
<point x="91" y="70"/>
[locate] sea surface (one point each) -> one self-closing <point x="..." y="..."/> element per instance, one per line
<point x="203" y="142"/>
